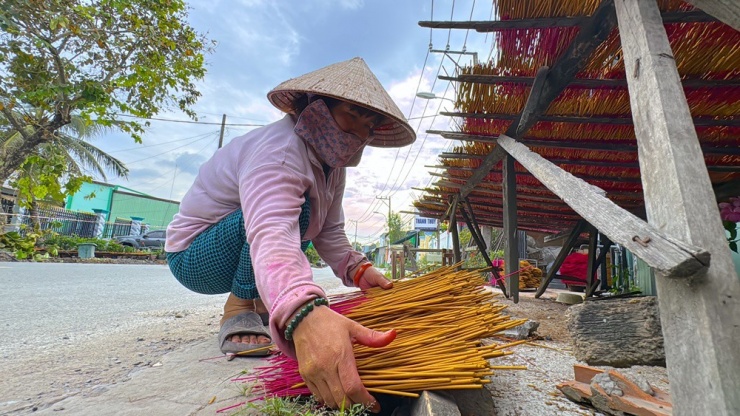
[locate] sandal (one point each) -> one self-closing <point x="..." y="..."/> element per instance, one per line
<point x="248" y="323"/>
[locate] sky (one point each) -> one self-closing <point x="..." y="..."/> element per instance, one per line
<point x="261" y="43"/>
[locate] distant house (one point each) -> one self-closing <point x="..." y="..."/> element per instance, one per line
<point x="118" y="202"/>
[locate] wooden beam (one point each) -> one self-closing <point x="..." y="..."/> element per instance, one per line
<point x="592" y="162"/>
<point x="727" y="11"/>
<point x="484" y="193"/>
<point x="618" y="83"/>
<point x="592" y="33"/>
<point x="599" y="145"/>
<point x="475" y="233"/>
<point x="617" y="176"/>
<point x="550" y="83"/>
<point x="617" y="121"/>
<point x="484" y="26"/>
<point x="645" y="241"/>
<point x="533" y="108"/>
<point x="522" y="123"/>
<point x="700" y="316"/>
<point x="511" y="254"/>
<point x="540" y="213"/>
<point x="474" y="221"/>
<point x="564" y="251"/>
<point x="623" y="195"/>
<point x="488" y="217"/>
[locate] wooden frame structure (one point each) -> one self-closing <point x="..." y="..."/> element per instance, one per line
<point x="679" y="232"/>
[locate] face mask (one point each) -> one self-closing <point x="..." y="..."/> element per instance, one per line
<point x="335" y="147"/>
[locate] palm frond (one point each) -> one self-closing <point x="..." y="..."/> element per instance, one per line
<point x="91" y="157"/>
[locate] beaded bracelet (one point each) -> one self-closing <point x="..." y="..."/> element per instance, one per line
<point x="360" y="272"/>
<point x="302" y="314"/>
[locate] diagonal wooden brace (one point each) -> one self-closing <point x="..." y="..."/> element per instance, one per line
<point x="674" y="258"/>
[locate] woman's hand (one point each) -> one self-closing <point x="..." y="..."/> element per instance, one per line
<point x="326" y="361"/>
<point x="372" y="277"/>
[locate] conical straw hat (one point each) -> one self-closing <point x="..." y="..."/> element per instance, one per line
<point x="350" y="81"/>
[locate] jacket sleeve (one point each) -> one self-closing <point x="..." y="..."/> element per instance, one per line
<point x="271" y="198"/>
<point x="332" y="243"/>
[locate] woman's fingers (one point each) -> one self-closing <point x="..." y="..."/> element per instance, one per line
<point x="326" y="359"/>
<point x="321" y="391"/>
<point x="374" y="278"/>
<point x="370" y="338"/>
<point x="353" y="388"/>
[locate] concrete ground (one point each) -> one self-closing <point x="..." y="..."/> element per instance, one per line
<point x="183" y="384"/>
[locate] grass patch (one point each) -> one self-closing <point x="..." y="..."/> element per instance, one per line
<point x="277" y="406"/>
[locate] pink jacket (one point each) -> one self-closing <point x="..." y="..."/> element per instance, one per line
<point x="266" y="172"/>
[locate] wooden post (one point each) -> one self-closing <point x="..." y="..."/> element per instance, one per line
<point x="700" y="315"/>
<point x="394" y="260"/>
<point x="605" y="244"/>
<point x="511" y="255"/>
<point x="593" y="234"/>
<point x="453" y="230"/>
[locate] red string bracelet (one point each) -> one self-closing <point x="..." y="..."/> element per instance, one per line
<point x="360" y="272"/>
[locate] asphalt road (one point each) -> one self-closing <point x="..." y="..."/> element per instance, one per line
<point x="43" y="304"/>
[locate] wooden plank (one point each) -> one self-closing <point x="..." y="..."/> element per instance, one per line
<point x="619" y="83"/>
<point x="567" y="245"/>
<point x="616" y="121"/>
<point x="675" y="258"/>
<point x="700" y="316"/>
<point x="727" y="11"/>
<point x="484" y="26"/>
<point x="511" y="254"/>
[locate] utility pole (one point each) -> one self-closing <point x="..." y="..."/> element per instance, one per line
<point x="221" y="136"/>
<point x="355" y="244"/>
<point x="387" y="198"/>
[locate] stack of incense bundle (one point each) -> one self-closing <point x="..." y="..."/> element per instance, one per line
<point x="441" y="318"/>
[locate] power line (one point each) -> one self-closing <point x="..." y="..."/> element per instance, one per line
<point x="170" y="150"/>
<point x="192" y="121"/>
<point x="162" y="143"/>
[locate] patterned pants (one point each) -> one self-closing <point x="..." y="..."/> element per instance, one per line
<point x="218" y="260"/>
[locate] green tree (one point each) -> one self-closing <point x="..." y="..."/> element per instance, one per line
<point x="95" y="59"/>
<point x="312" y="255"/>
<point x="394" y="228"/>
<point x="56" y="168"/>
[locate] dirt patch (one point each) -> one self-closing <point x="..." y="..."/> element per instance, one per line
<point x="550" y="315"/>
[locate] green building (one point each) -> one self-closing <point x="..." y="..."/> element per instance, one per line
<point x="119" y="202"/>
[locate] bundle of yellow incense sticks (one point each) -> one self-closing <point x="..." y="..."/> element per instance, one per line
<point x="440" y="317"/>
